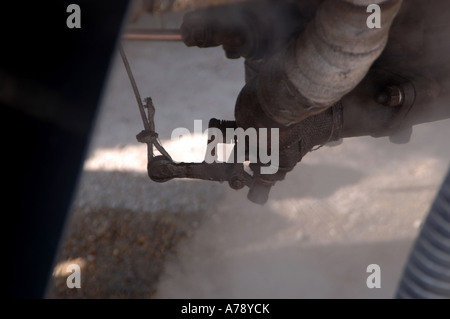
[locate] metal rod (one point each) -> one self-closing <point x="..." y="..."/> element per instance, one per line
<point x="152" y="35"/>
<point x="135" y="89"/>
<point x="149" y="123"/>
<point x="179" y="5"/>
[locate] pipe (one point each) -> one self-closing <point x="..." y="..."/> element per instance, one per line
<point x="325" y="62"/>
<point x="427" y="272"/>
<point x="156" y="6"/>
<point x="152" y="35"/>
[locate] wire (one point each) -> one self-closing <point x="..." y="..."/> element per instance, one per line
<point x="149" y="124"/>
<point x="135" y="89"/>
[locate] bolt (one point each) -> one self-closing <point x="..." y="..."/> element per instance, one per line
<point x="236" y="183"/>
<point x="391" y="96"/>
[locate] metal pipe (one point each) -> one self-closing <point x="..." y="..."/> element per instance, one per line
<point x="325" y="62"/>
<point x="152" y="35"/>
<point x="155" y="6"/>
<point x="427" y="273"/>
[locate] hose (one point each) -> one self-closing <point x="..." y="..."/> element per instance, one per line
<point x="324" y="62"/>
<point x="427" y="272"/>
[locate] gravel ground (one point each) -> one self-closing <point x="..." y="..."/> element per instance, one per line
<point x="120" y="251"/>
<point x="341" y="209"/>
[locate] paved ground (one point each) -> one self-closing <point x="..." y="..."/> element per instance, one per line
<point x="341" y="209"/>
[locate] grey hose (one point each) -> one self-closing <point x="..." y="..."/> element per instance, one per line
<point x="324" y="62"/>
<point x="427" y="272"/>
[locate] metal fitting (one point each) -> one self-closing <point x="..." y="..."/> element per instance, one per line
<point x="392" y="95"/>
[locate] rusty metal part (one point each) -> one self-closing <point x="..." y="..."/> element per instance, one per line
<point x="156" y="6"/>
<point x="152" y="35"/>
<point x="379" y="105"/>
<point x="163" y="168"/>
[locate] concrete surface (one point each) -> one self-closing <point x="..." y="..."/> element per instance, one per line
<point x="341" y="209"/>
